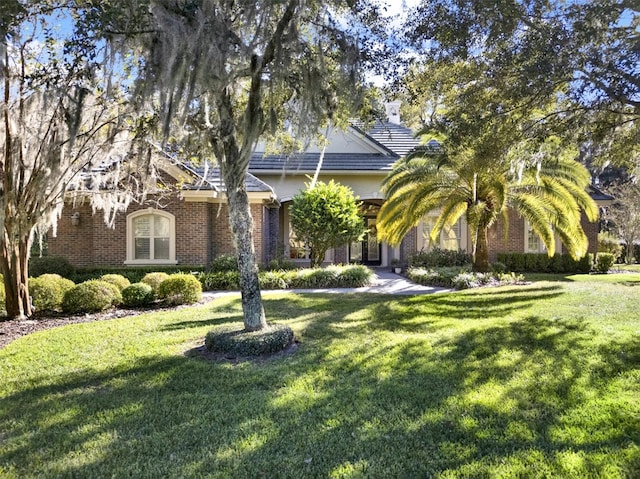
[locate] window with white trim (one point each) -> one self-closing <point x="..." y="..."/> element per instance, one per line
<point x="532" y="242"/>
<point x="450" y="237"/>
<point x="151" y="237"/>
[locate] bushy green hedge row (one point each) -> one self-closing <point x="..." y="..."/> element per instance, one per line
<point x="437" y="258"/>
<point x="460" y="278"/>
<point x="542" y="263"/>
<point x="352" y="276"/>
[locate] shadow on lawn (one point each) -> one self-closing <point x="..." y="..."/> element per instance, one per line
<point x="535" y="394"/>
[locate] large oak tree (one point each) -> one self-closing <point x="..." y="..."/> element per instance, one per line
<point x="223" y="74"/>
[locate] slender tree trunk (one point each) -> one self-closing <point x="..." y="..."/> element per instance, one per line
<point x="14" y="262"/>
<point x="242" y="228"/>
<point x="481" y="257"/>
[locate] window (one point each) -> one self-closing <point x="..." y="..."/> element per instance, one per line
<point x="533" y="243"/>
<point x="151" y="237"/>
<point x="450" y="237"/>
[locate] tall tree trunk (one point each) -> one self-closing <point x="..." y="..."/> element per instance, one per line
<point x="14" y="262"/>
<point x="481" y="257"/>
<point x="242" y="228"/>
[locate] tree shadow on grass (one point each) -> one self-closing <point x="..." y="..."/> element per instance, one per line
<point x="529" y="395"/>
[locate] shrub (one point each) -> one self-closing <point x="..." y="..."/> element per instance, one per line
<point x="234" y="341"/>
<point x="154" y="280"/>
<point x="273" y="280"/>
<point x="91" y="296"/>
<point x="180" y="288"/>
<point x="439" y="257"/>
<point x="116" y="279"/>
<point x="604" y="262"/>
<point x="355" y="276"/>
<point x="48" y="290"/>
<point x="220" y="280"/>
<point x="137" y="295"/>
<point x="434" y="276"/>
<point x="50" y="265"/>
<point x="223" y="263"/>
<point x="498" y="267"/>
<point x="609" y="243"/>
<point x="281" y="264"/>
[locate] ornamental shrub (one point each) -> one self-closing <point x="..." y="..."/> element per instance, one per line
<point x="50" y="265"/>
<point x="354" y="276"/>
<point x="137" y="295"/>
<point x="90" y="297"/>
<point x="117" y="280"/>
<point x="220" y="280"/>
<point x="604" y="262"/>
<point x="48" y="290"/>
<point x="154" y="280"/>
<point x="224" y="262"/>
<point x="235" y="341"/>
<point x="180" y="288"/>
<point x="439" y="258"/>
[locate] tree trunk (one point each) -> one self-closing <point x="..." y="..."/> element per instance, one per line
<point x="14" y="262"/>
<point x="242" y="228"/>
<point x="481" y="257"/>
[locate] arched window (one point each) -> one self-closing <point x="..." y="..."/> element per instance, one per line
<point x="151" y="237"/>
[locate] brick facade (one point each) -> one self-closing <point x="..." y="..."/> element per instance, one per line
<point x="201" y="233"/>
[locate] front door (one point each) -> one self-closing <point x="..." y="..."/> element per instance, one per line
<point x="369" y="250"/>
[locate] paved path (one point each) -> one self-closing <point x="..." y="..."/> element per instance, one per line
<point x="385" y="282"/>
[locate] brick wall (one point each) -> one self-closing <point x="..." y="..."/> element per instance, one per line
<point x="202" y="231"/>
<point x="513" y="243"/>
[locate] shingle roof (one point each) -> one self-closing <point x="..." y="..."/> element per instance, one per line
<point x="208" y="178"/>
<point x="393" y="141"/>
<point x="599" y="195"/>
<point x="306" y="162"/>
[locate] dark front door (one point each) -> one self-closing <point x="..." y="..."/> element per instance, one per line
<point x="369" y="250"/>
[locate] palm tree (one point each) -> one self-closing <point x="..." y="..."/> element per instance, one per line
<point x="546" y="186"/>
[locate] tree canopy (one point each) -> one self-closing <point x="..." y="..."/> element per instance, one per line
<point x="585" y="53"/>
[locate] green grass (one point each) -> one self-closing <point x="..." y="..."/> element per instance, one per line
<point x="534" y="381"/>
<point x="628" y="267"/>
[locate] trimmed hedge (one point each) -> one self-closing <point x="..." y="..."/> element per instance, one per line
<point x="133" y="273"/>
<point x="117" y="280"/>
<point x="542" y="263"/>
<point x="137" y="295"/>
<point x="334" y="276"/>
<point x="604" y="262"/>
<point x="48" y="290"/>
<point x="439" y="258"/>
<point x="154" y="280"/>
<point x="234" y="341"/>
<point x="180" y="288"/>
<point x="91" y="297"/>
<point x="51" y="265"/>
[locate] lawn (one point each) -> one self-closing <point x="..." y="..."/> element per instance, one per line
<point x="526" y="381"/>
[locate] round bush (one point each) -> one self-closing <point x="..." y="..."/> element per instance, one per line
<point x="154" y="280"/>
<point x="180" y="288"/>
<point x="48" y="290"/>
<point x="235" y="341"/>
<point x="90" y="297"/>
<point x="137" y="294"/>
<point x="117" y="280"/>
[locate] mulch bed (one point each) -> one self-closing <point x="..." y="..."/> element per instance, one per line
<point x="11" y="330"/>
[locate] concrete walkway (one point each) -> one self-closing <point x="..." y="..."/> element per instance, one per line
<point x="385" y="282"/>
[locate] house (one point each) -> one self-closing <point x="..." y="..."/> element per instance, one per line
<point x="190" y="226"/>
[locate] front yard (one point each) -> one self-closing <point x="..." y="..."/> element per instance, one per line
<point x="522" y="381"/>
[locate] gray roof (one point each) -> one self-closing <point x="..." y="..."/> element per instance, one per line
<point x="208" y="178"/>
<point x="393" y="140"/>
<point x="306" y="162"/>
<point x="397" y="138"/>
<point x="599" y="195"/>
